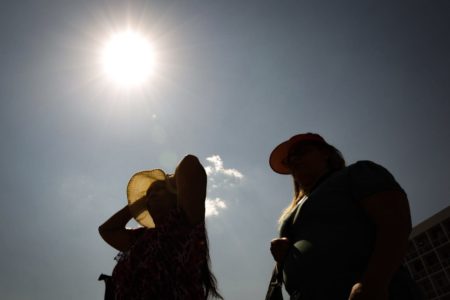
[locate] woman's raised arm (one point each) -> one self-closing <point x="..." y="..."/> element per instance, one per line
<point x="113" y="231"/>
<point x="190" y="177"/>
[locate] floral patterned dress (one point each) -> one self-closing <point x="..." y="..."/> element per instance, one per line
<point x="165" y="263"/>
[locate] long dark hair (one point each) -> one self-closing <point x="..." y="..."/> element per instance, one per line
<point x="209" y="281"/>
<point x="208" y="278"/>
<point x="335" y="162"/>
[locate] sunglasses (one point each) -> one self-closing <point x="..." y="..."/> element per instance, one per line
<point x="294" y="157"/>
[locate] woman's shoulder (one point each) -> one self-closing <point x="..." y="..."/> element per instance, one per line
<point x="364" y="164"/>
<point x="367" y="168"/>
<point x="367" y="177"/>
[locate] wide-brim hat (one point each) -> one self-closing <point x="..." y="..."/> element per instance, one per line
<point x="279" y="155"/>
<point x="137" y="188"/>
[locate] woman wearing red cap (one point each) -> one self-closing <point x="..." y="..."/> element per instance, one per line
<point x="346" y="231"/>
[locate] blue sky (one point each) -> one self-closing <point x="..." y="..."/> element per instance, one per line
<point x="234" y="79"/>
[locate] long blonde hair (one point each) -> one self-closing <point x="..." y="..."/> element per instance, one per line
<point x="335" y="162"/>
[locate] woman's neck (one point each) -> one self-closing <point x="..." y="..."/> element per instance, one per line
<point x="307" y="189"/>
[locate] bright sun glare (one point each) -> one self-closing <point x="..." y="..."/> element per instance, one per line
<point x="127" y="59"/>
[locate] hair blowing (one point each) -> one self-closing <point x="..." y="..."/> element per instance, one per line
<point x="208" y="278"/>
<point x="335" y="162"/>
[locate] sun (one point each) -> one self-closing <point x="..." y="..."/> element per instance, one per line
<point x="128" y="59"/>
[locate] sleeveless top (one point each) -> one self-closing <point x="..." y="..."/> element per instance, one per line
<point x="164" y="263"/>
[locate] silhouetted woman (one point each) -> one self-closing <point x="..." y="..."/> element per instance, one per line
<point x="346" y="231"/>
<point x="168" y="258"/>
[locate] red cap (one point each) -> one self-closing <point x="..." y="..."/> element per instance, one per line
<point x="280" y="153"/>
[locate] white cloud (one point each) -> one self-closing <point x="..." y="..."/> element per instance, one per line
<point x="221" y="182"/>
<point x="212" y="206"/>
<point x="217" y="169"/>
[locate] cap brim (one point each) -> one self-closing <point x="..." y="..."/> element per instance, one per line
<point x="278" y="156"/>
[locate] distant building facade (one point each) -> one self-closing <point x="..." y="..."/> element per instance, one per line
<point x="428" y="256"/>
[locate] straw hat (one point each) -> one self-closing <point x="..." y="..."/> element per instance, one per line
<point x="137" y="188"/>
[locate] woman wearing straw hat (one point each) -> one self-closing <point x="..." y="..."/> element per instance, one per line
<point x="346" y="231"/>
<point x="167" y="258"/>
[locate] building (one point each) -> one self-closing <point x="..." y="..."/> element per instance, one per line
<point x="428" y="256"/>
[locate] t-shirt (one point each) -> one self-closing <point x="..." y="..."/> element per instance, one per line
<point x="165" y="263"/>
<point x="333" y="235"/>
